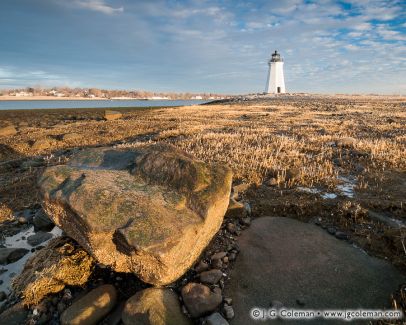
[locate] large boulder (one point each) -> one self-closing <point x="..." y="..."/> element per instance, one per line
<point x="154" y="306"/>
<point x="149" y="210"/>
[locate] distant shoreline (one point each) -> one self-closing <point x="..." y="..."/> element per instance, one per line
<point x="14" y="98"/>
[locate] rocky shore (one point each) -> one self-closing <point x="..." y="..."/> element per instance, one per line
<point x="127" y="223"/>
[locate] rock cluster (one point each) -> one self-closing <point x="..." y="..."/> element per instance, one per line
<point x="150" y="210"/>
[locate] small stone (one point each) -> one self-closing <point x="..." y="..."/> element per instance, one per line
<point x="273" y="182"/>
<point x="215" y="319"/>
<point x="331" y="230"/>
<point x="11" y="255"/>
<point x="199" y="299"/>
<point x="238" y="189"/>
<point x="247" y="209"/>
<point x="346" y="142"/>
<point x="217" y="264"/>
<point x="228" y="312"/>
<point x="42" y="222"/>
<point x="211" y="277"/>
<point x="246" y="221"/>
<point x="232" y="256"/>
<point x="112" y="115"/>
<point x="38" y="238"/>
<point x="154" y="306"/>
<point x="225" y="259"/>
<point x="202" y="266"/>
<point x="92" y="307"/>
<point x="231" y="228"/>
<point x="41" y="144"/>
<point x="67" y="295"/>
<point x="228" y="301"/>
<point x="3" y="296"/>
<point x="341" y="235"/>
<point x="235" y="209"/>
<point x="218" y="255"/>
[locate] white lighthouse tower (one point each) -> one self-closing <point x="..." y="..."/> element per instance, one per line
<point x="275" y="83"/>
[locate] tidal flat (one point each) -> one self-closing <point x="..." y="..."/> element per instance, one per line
<point x="336" y="162"/>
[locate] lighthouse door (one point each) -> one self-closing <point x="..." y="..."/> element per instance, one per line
<point x="279" y="90"/>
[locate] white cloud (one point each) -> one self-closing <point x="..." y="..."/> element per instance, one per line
<point x="98" y="5"/>
<point x="18" y="77"/>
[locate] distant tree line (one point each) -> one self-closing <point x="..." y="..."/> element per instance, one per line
<point x="104" y="93"/>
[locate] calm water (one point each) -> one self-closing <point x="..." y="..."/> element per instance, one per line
<point x="37" y="104"/>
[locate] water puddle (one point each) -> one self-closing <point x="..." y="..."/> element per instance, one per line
<point x="328" y="196"/>
<point x="313" y="190"/>
<point x="347" y="186"/>
<point x="20" y="241"/>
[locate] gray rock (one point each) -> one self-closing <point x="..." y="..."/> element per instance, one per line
<point x="15" y="315"/>
<point x="328" y="272"/>
<point x="231" y="228"/>
<point x="215" y="319"/>
<point x="38" y="238"/>
<point x="228" y="312"/>
<point x="11" y="255"/>
<point x="199" y="299"/>
<point x="331" y="230"/>
<point x="91" y="308"/>
<point x="218" y="255"/>
<point x="202" y="266"/>
<point x="154" y="306"/>
<point x="341" y="235"/>
<point x="217" y="263"/>
<point x="42" y="222"/>
<point x="3" y="296"/>
<point x="211" y="277"/>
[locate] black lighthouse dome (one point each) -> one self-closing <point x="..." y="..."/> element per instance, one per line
<point x="276" y="57"/>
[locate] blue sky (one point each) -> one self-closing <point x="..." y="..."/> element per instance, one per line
<point x="356" y="46"/>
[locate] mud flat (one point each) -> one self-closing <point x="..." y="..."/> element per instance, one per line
<point x="336" y="164"/>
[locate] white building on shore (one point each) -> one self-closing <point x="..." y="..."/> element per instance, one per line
<point x="275" y="83"/>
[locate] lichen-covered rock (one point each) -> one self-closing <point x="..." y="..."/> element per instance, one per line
<point x="49" y="270"/>
<point x="150" y="210"/>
